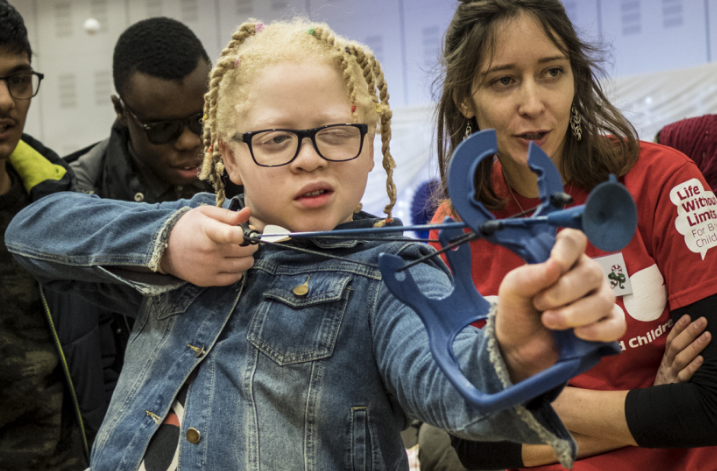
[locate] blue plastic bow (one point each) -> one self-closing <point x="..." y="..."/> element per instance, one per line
<point x="609" y="219"/>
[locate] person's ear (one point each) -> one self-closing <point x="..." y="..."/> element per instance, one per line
<point x="119" y="110"/>
<point x="230" y="163"/>
<point x="465" y="106"/>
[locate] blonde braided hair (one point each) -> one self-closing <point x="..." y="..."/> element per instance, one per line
<point x="386" y="114"/>
<point x="254" y="46"/>
<point x="213" y="167"/>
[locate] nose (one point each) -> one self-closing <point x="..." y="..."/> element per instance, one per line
<point x="7" y="102"/>
<point x="187" y="141"/>
<point x="531" y="100"/>
<point x="308" y="159"/>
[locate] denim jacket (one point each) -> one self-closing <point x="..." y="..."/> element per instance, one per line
<point x="320" y="381"/>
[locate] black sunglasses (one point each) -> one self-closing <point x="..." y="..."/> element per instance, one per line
<point x="162" y="132"/>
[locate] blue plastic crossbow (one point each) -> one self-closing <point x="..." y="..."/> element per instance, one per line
<point x="608" y="218"/>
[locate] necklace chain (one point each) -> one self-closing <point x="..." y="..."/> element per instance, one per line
<point x="512" y="194"/>
<point x="510" y="189"/>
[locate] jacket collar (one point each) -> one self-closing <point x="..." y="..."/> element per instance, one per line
<point x="41" y="170"/>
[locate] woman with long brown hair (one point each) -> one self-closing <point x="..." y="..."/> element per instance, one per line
<point x="518" y="66"/>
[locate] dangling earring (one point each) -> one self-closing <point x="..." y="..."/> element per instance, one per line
<point x="469" y="130"/>
<point x="575" y="123"/>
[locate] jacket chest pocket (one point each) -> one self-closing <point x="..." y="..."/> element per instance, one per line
<point x="160" y="310"/>
<point x="291" y="327"/>
<point x="174" y="302"/>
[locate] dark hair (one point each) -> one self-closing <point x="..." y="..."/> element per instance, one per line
<point x="13" y="34"/>
<point x="470" y="37"/>
<point x="160" y="47"/>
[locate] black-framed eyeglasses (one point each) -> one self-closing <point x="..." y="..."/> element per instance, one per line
<point x="23" y="85"/>
<point x="277" y="147"/>
<point x="162" y="132"/>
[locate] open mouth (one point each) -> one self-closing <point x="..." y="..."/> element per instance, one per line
<point x="313" y="193"/>
<point x="533" y="136"/>
<point x="188" y="168"/>
<point x="188" y="171"/>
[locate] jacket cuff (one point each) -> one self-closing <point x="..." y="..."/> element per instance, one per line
<point x="161" y="239"/>
<point x="538" y="414"/>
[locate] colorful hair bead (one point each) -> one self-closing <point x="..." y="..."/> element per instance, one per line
<point x="353" y="108"/>
<point x="259" y="27"/>
<point x="311" y="31"/>
<point x="237" y="61"/>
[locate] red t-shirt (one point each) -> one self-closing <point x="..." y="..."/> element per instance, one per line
<point x="671" y="263"/>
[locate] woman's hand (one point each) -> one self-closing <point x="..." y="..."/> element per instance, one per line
<point x="682" y="352"/>
<point x="568" y="291"/>
<point x="203" y="247"/>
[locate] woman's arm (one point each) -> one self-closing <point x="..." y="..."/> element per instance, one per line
<point x="684" y="344"/>
<point x="539" y="455"/>
<point x="680" y="415"/>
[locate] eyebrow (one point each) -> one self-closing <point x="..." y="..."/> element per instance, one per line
<point x="20" y="68"/>
<point x="543" y="60"/>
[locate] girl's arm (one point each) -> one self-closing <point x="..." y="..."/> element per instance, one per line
<point x="105" y="250"/>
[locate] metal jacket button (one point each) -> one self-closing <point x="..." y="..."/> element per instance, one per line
<point x="198" y="351"/>
<point x="193" y="436"/>
<point x="302" y="289"/>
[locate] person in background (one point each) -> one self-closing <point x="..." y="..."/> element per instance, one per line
<point x="153" y="154"/>
<point x="154" y="150"/>
<point x="518" y="66"/>
<point x="40" y="422"/>
<point x="697" y="139"/>
<point x="424" y="204"/>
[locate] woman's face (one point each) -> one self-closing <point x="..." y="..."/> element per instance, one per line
<point x="525" y="93"/>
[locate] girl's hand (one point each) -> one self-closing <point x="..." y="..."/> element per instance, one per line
<point x="682" y="352"/>
<point x="567" y="291"/>
<point x="203" y="247"/>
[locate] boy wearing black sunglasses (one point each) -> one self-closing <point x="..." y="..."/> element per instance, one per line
<point x="154" y="150"/>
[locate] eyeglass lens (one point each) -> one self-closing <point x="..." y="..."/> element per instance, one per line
<point x="279" y="147"/>
<point x="163" y="132"/>
<point x="24" y="85"/>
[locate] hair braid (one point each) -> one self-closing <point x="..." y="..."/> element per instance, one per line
<point x="385" y="112"/>
<point x="366" y="67"/>
<point x="212" y="167"/>
<point x="377" y="85"/>
<point x="327" y="37"/>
